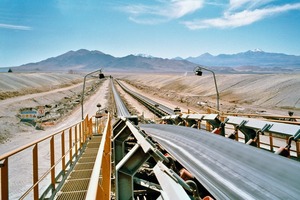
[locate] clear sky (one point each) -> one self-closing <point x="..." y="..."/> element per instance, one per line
<point x="33" y="30"/>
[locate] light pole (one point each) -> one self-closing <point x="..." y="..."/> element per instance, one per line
<point x="82" y="96"/>
<point x="198" y="72"/>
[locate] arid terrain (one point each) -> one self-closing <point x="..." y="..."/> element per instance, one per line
<point x="239" y="93"/>
<point x="60" y="94"/>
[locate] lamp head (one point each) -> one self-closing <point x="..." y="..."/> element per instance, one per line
<point x="101" y="75"/>
<point x="198" y="71"/>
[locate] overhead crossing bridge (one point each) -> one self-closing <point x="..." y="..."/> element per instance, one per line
<point x="177" y="160"/>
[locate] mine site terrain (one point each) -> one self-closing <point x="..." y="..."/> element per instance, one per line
<point x="239" y="93"/>
<point x="60" y="94"/>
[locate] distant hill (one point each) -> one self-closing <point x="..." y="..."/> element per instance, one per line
<point x="256" y="61"/>
<point x="257" y="58"/>
<point x="85" y="60"/>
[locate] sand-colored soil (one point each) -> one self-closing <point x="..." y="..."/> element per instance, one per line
<point x="246" y="93"/>
<point x="269" y="93"/>
<point x="254" y="93"/>
<point x="58" y="93"/>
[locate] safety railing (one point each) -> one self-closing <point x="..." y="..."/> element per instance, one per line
<point x="43" y="166"/>
<point x="100" y="189"/>
<point x="269" y="139"/>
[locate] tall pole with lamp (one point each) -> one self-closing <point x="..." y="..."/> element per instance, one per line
<point x="82" y="96"/>
<point x="198" y="72"/>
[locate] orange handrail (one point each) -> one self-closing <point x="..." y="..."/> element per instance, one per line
<point x="75" y="137"/>
<point x="96" y="189"/>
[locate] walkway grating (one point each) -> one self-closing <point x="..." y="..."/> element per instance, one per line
<point x="75" y="187"/>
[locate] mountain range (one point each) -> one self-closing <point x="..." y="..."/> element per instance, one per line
<point x="255" y="57"/>
<point x="85" y="60"/>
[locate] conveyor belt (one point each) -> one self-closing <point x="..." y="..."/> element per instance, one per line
<point x="164" y="109"/>
<point x="121" y="108"/>
<point x="226" y="168"/>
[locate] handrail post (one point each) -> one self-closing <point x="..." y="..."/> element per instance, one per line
<point x="63" y="160"/>
<point x="76" y="141"/>
<point x="298" y="149"/>
<point x="70" y="146"/>
<point x="91" y="126"/>
<point x="4" y="179"/>
<point x="271" y="142"/>
<point x="81" y="134"/>
<point x="52" y="159"/>
<point x="35" y="173"/>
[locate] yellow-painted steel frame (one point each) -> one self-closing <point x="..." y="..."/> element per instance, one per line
<point x="100" y="189"/>
<point x="85" y="131"/>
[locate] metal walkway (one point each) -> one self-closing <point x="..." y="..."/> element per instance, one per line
<point x="76" y="186"/>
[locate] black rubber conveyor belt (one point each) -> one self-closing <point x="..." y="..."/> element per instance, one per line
<point x="229" y="169"/>
<point x="121" y="108"/>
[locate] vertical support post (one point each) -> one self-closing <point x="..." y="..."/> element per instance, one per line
<point x="80" y="135"/>
<point x="298" y="149"/>
<point x="70" y="146"/>
<point x="287" y="141"/>
<point x="208" y="128"/>
<point x="4" y="179"/>
<point x="63" y="152"/>
<point x="199" y="124"/>
<point x="85" y="132"/>
<point x="125" y="171"/>
<point x="76" y="141"/>
<point x="271" y="142"/>
<point x="236" y="133"/>
<point x="35" y="173"/>
<point x="96" y="125"/>
<point x="258" y="140"/>
<point x="52" y="160"/>
<point x="91" y="127"/>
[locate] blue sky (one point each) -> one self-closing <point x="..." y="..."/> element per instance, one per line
<point x="33" y="30"/>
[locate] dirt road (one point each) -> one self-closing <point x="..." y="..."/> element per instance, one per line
<point x="20" y="134"/>
<point x="21" y="165"/>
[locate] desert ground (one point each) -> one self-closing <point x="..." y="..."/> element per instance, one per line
<point x="60" y="94"/>
<point x="239" y="93"/>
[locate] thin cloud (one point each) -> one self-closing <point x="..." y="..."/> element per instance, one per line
<point x="242" y="18"/>
<point x="162" y="11"/>
<point x="15" y="27"/>
<point x="246" y="4"/>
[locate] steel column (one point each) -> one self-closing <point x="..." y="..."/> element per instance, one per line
<point x="63" y="154"/>
<point x="35" y="174"/>
<point x="126" y="169"/>
<point x="52" y="160"/>
<point x="70" y="147"/>
<point x="4" y="179"/>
